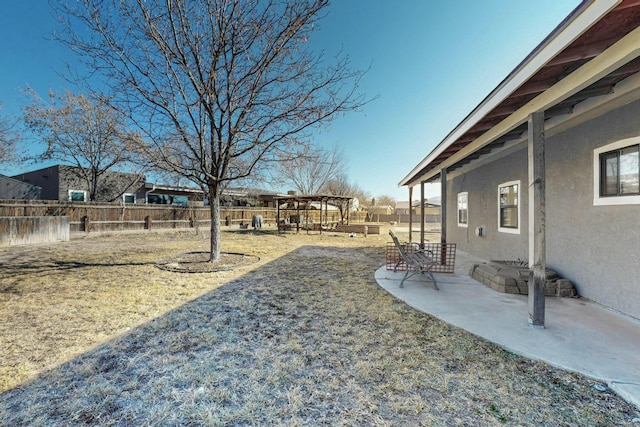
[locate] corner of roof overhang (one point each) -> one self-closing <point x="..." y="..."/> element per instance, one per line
<point x="520" y="75"/>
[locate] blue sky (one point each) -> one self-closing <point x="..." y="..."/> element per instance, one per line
<point x="431" y="63"/>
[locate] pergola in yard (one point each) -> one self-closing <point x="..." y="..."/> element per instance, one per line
<point x="304" y="204"/>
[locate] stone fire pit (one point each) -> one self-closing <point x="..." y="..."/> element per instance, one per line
<point x="512" y="277"/>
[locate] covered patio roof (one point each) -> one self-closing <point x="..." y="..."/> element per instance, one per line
<point x="594" y="49"/>
<point x="305" y="202"/>
<point x="311" y="198"/>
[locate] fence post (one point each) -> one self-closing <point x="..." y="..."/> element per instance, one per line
<point x="86" y="224"/>
<point x="147" y="222"/>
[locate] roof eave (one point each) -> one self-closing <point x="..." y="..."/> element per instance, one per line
<point x="577" y="22"/>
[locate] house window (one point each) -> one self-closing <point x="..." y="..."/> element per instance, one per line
<point x="509" y="207"/>
<point x="77" y="196"/>
<point x="129" y="198"/>
<point x="463" y="209"/>
<point x="617" y="173"/>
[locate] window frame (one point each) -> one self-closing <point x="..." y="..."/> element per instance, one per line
<point x="510" y="230"/>
<point x="124" y="198"/>
<point x="466" y="195"/>
<point x="614" y="199"/>
<point x="84" y="195"/>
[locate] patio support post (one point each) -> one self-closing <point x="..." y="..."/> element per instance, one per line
<point x="410" y="215"/>
<point x="422" y="214"/>
<point x="348" y="209"/>
<point x="443" y="205"/>
<point x="537" y="220"/>
<point x="321" y="223"/>
<point x="278" y="215"/>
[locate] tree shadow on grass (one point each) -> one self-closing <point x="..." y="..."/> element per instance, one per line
<point x="45" y="267"/>
<point x="226" y="355"/>
<point x="308" y="338"/>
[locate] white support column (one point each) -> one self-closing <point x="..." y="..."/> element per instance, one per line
<point x="443" y="205"/>
<point x="422" y="214"/>
<point x="537" y="220"/>
<point x="410" y="215"/>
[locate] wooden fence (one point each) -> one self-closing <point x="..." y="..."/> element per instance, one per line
<point x="19" y="230"/>
<point x="102" y="217"/>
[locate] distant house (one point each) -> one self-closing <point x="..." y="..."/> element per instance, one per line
<point x="11" y="189"/>
<point x="380" y="210"/>
<point x="431" y="210"/>
<point x="249" y="197"/>
<point x="65" y="183"/>
<point x="404" y="207"/>
<point x="165" y="194"/>
<point x="546" y="169"/>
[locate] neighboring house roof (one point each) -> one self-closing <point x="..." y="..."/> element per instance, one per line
<point x="229" y="192"/>
<point x="379" y="209"/>
<point x="431" y="202"/>
<point x="316" y="201"/>
<point x="596" y="47"/>
<point x="151" y="186"/>
<point x="13" y="189"/>
<point x="251" y="191"/>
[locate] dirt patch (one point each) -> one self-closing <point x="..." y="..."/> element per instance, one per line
<point x="198" y="262"/>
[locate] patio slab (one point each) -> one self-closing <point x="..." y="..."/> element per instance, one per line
<point x="579" y="335"/>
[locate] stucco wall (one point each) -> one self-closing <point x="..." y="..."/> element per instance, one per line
<point x="56" y="181"/>
<point x="596" y="247"/>
<point x="482" y="186"/>
<point x="111" y="185"/>
<point x="13" y="189"/>
<point x="47" y="179"/>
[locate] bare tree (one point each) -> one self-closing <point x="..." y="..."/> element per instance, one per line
<point x="81" y="131"/>
<point x="312" y="169"/>
<point x="340" y="186"/>
<point x="216" y="86"/>
<point x="385" y="200"/>
<point x="8" y="140"/>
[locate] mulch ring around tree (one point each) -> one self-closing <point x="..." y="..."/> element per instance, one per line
<point x="198" y="262"/>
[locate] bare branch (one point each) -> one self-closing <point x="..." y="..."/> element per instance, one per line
<point x="216" y="87"/>
<point x="9" y="139"/>
<point x="84" y="132"/>
<point x="311" y="170"/>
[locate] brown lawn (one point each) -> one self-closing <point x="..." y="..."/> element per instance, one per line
<point x="92" y="332"/>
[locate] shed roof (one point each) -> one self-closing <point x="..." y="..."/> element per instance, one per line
<point x="311" y="198"/>
<point x="558" y="74"/>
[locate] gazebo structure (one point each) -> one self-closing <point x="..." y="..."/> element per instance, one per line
<point x="294" y="212"/>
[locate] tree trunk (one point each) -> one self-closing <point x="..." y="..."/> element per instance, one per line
<point x="214" y="208"/>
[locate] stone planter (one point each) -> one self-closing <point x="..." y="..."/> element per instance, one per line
<point x="512" y="277"/>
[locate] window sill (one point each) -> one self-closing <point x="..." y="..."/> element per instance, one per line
<point x="616" y="201"/>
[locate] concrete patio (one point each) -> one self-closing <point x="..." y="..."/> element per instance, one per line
<point x="579" y="336"/>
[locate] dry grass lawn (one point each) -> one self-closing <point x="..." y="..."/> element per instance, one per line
<point x="93" y="333"/>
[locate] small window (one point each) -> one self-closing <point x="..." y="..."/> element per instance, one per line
<point x="463" y="209"/>
<point x="129" y="198"/>
<point x="617" y="173"/>
<point x="509" y="207"/>
<point x="77" y="196"/>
